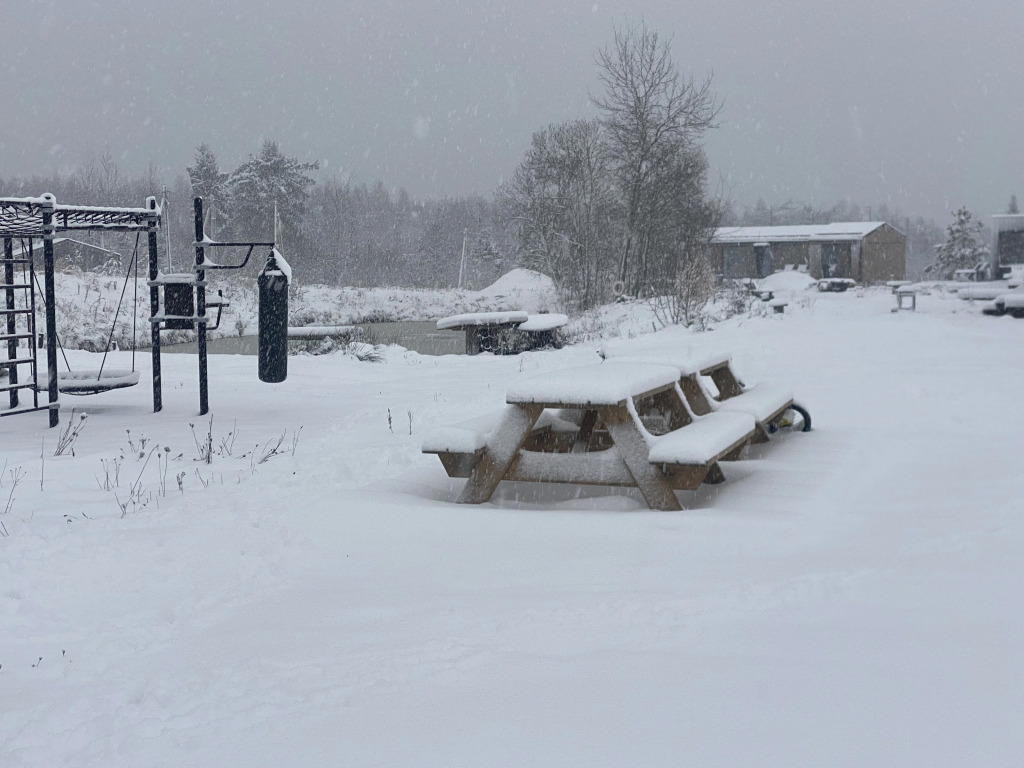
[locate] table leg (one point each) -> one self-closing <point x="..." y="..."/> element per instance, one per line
<point x="502" y="449"/>
<point x="653" y="485"/>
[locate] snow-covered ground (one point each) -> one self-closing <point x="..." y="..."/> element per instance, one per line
<point x="849" y="597"/>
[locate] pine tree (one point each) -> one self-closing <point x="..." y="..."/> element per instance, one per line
<point x="264" y="180"/>
<point x="962" y="250"/>
<point x="205" y="175"/>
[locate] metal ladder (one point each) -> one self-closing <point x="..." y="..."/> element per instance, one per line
<point x="19" y="324"/>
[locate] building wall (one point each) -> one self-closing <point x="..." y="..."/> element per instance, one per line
<point x="1010" y="246"/>
<point x="883" y="256"/>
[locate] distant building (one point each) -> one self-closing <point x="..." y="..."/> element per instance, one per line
<point x="868" y="251"/>
<point x="1009" y="233"/>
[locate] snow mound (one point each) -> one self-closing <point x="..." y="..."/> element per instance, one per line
<point x="787" y="281"/>
<point x="522" y="289"/>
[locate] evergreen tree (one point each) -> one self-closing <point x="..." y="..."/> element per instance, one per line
<point x="205" y="175"/>
<point x="963" y="248"/>
<point x="264" y="180"/>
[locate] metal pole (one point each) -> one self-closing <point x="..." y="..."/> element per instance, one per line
<point x="164" y="207"/>
<point x="462" y="259"/>
<point x="12" y="344"/>
<point x="49" y="205"/>
<point x="204" y="404"/>
<point x="154" y="305"/>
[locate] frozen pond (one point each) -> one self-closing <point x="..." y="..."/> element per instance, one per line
<point x="418" y="336"/>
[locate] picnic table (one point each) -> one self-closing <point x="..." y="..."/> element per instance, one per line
<point x="835" y="284"/>
<point x="613" y="424"/>
<point x="506" y="332"/>
<point x="767" y="402"/>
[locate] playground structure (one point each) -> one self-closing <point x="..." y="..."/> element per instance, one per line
<point x="184" y="304"/>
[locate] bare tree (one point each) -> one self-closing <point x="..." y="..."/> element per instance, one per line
<point x="650" y="114"/>
<point x="560" y="200"/>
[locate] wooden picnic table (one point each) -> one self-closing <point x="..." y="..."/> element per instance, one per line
<point x="614" y="424"/>
<point x="767" y="402"/>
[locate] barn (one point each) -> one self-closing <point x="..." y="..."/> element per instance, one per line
<point x="865" y="251"/>
<point x="1009" y="250"/>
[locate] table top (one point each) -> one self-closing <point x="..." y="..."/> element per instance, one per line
<point x="609" y="383"/>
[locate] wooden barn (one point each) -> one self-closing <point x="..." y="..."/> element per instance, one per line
<point x="865" y="251"/>
<point x="1009" y="250"/>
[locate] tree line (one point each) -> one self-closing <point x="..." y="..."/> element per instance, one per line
<point x="616" y="204"/>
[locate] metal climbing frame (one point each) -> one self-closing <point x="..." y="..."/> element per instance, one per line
<point x="41" y="218"/>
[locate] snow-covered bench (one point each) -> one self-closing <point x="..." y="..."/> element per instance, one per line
<point x="460" y="446"/>
<point x="505" y="332"/>
<point x="1007" y="304"/>
<point x="615" y="423"/>
<point x="767" y="402"/>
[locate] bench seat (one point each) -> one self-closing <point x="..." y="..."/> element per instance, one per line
<point x="702" y="442"/>
<point x="471" y="435"/>
<point x="765" y="402"/>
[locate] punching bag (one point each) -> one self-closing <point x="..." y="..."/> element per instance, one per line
<point x="273" y="318"/>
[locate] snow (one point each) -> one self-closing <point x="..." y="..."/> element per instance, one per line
<point x="283" y="265"/>
<point x="522" y="289"/>
<point x="1013" y="300"/>
<point x="654" y="349"/>
<point x="607" y="383"/>
<point x="319" y="331"/>
<point x="761" y="400"/>
<point x="544" y="322"/>
<point x="788" y="280"/>
<point x="836" y="232"/>
<point x="848" y="597"/>
<point x="701" y="441"/>
<point x="470" y="319"/>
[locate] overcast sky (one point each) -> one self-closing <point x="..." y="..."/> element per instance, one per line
<point x="918" y="103"/>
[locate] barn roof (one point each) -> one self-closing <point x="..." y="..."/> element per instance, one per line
<point x="839" y="231"/>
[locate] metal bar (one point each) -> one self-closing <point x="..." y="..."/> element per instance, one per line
<point x="27" y="410"/>
<point x="15" y="388"/>
<point x="12" y="344"/>
<point x="33" y="327"/>
<point x="211" y="244"/>
<point x="51" y="310"/>
<point x="204" y="404"/>
<point x="154" y="310"/>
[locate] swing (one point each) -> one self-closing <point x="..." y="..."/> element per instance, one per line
<point x="105" y="379"/>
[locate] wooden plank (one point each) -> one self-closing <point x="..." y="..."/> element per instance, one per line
<point x="502" y="449"/>
<point x="695" y="395"/>
<point x="725" y="380"/>
<point x="630" y="443"/>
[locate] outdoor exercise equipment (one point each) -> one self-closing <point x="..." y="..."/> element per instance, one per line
<point x="105" y="379"/>
<point x="184" y="304"/>
<point x="273" y="320"/>
<point x="42" y="218"/>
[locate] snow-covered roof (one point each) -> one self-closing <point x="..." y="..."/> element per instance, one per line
<point x="1008" y="222"/>
<point x="838" y="231"/>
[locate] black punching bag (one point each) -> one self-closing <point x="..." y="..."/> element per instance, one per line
<point x="273" y="321"/>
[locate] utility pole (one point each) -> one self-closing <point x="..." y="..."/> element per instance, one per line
<point x="462" y="260"/>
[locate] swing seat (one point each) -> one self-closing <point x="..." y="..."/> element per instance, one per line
<point x="91" y="382"/>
